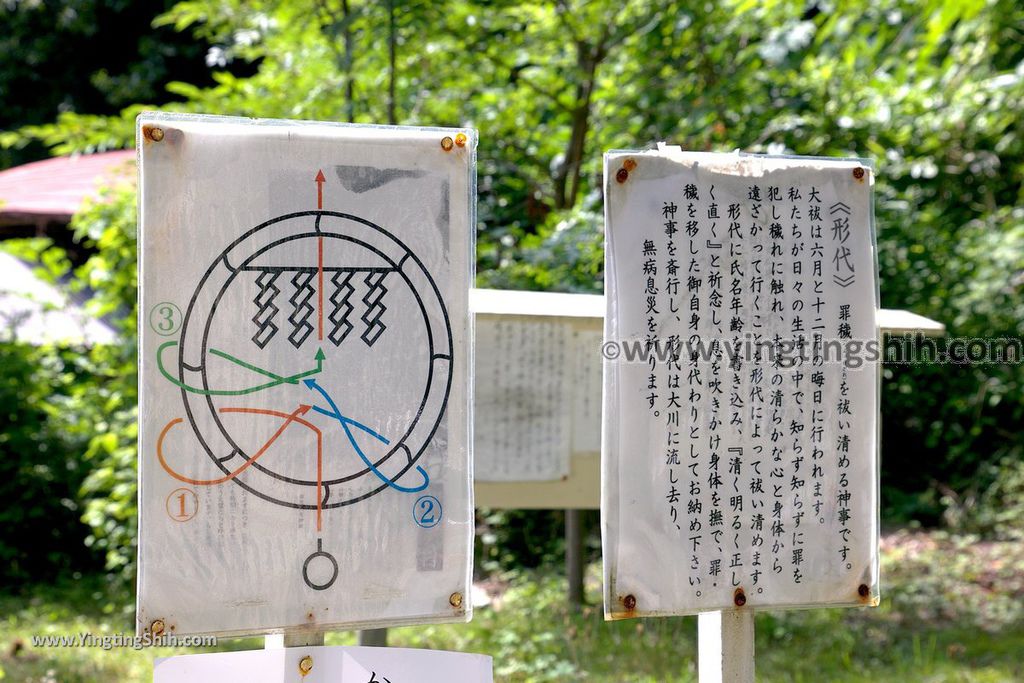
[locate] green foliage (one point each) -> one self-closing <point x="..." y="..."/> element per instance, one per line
<point x="87" y="605"/>
<point x="507" y="539"/>
<point x="995" y="511"/>
<point x="108" y="408"/>
<point x="85" y="57"/>
<point x="40" y="467"/>
<point x="951" y="611"/>
<point x="932" y="91"/>
<point x="87" y="396"/>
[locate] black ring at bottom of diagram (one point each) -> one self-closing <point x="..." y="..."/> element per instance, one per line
<point x="320" y="552"/>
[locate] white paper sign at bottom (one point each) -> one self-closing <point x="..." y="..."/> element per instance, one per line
<point x="334" y="664"/>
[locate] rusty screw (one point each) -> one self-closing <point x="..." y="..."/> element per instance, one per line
<point x="455" y="599"/>
<point x="863" y="590"/>
<point x="629" y="164"/>
<point x="739" y="598"/>
<point x="156" y="134"/>
<point x="460" y="139"/>
<point x="858" y="173"/>
<point x="305" y="665"/>
<point x="622" y="175"/>
<point x="157" y="627"/>
<point x="629" y="602"/>
<point x="447" y="144"/>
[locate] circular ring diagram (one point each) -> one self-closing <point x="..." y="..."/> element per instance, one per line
<point x="314" y="364"/>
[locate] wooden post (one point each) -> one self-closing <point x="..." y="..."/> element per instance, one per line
<point x="574" y="564"/>
<point x="725" y="647"/>
<point x="374" y="637"/>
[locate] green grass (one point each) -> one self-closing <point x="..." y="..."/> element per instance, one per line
<point x="951" y="611"/>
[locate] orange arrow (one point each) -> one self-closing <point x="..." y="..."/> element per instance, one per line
<point x="289" y="418"/>
<point x="320" y="288"/>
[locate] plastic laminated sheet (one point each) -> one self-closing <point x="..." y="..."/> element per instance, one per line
<point x="741" y="383"/>
<point x="304" y="442"/>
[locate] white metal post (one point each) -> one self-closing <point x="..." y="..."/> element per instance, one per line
<point x="725" y="647"/>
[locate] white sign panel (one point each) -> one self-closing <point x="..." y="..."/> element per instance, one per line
<point x="586" y="421"/>
<point x="304" y="344"/>
<point x="524" y="398"/>
<point x="325" y="664"/>
<point x="537" y="402"/>
<point x="740" y="463"/>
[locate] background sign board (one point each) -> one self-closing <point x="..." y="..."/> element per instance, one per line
<point x="537" y="426"/>
<point x="326" y="665"/>
<point x="584" y="315"/>
<point x="304" y="374"/>
<point x="740" y="454"/>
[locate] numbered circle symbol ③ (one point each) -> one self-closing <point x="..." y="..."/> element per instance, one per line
<point x="427" y="511"/>
<point x="165" y="318"/>
<point x="182" y="505"/>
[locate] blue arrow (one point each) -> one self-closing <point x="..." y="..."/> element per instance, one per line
<point x="311" y="383"/>
<point x="345" y="422"/>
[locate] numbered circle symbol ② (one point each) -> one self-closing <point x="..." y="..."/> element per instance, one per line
<point x="182" y="505"/>
<point x="427" y="511"/>
<point x="165" y="318"/>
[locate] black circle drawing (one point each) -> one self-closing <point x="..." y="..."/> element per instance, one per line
<point x="320" y="552"/>
<point x="376" y="262"/>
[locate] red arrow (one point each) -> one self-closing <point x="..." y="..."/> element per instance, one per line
<point x="320" y="258"/>
<point x="320" y="287"/>
<point x="320" y="189"/>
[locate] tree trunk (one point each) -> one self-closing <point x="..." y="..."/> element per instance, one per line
<point x="567" y="179"/>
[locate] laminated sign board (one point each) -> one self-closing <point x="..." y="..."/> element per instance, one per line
<point x="740" y="451"/>
<point x="537" y="399"/>
<point x="524" y="400"/>
<point x="304" y="357"/>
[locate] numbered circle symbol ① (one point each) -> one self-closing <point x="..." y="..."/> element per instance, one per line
<point x="427" y="511"/>
<point x="165" y="318"/>
<point x="182" y="505"/>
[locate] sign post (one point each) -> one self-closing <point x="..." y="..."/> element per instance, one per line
<point x="305" y="455"/>
<point x="725" y="647"/>
<point x="741" y="385"/>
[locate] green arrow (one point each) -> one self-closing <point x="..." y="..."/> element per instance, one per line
<point x="277" y="379"/>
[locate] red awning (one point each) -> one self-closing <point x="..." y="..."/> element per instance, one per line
<point x="54" y="189"/>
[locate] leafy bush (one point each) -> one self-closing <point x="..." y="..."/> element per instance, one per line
<point x="41" y="468"/>
<point x="110" y="403"/>
<point x="80" y="405"/>
<point x="931" y="90"/>
<point x="993" y="510"/>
